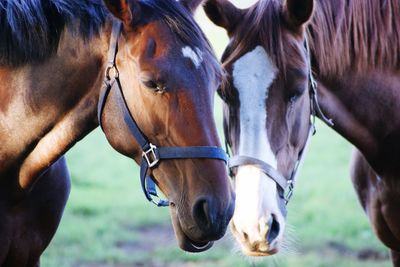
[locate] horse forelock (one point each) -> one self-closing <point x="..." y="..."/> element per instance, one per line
<point x="261" y="26"/>
<point x="356" y="35"/>
<point x="181" y="22"/>
<point x="30" y="30"/>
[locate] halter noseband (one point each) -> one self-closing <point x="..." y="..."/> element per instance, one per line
<point x="151" y="155"/>
<point x="287" y="185"/>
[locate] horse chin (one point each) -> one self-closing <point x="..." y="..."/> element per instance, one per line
<point x="191" y="246"/>
<point x="253" y="252"/>
<point x="259" y="253"/>
<point x="260" y="248"/>
<point x="184" y="242"/>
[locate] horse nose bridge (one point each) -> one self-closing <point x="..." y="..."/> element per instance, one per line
<point x="210" y="178"/>
<point x="256" y="195"/>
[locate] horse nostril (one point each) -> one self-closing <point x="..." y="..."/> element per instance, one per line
<point x="273" y="229"/>
<point x="201" y="213"/>
<point x="245" y="237"/>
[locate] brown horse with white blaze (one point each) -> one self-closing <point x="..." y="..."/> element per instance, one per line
<point x="276" y="49"/>
<point x="53" y="56"/>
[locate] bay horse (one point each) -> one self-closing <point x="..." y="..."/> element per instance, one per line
<point x="276" y="51"/>
<point x="141" y="69"/>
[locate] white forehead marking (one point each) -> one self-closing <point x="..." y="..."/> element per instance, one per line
<point x="195" y="55"/>
<point x="253" y="74"/>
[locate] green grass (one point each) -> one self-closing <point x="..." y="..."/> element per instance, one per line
<point x="108" y="222"/>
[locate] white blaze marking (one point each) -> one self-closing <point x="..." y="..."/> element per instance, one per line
<point x="195" y="55"/>
<point x="253" y="74"/>
<point x="256" y="199"/>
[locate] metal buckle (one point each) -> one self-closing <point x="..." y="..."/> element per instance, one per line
<point x="156" y="200"/>
<point x="150" y="156"/>
<point x="111" y="72"/>
<point x="289" y="193"/>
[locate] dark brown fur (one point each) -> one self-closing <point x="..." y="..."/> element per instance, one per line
<point x="356" y="35"/>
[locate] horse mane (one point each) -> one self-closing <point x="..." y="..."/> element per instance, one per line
<point x="357" y="34"/>
<point x="360" y="34"/>
<point x="30" y="30"/>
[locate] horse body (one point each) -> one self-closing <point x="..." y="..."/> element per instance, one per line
<point x="27" y="227"/>
<point x="50" y="121"/>
<point x="49" y="102"/>
<point x="354" y="49"/>
<point x="366" y="116"/>
<point x="362" y="97"/>
<point x="38" y="125"/>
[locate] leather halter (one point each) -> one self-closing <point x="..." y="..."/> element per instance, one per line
<point x="287" y="184"/>
<point x="151" y="155"/>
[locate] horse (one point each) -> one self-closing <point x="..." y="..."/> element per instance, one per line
<point x="145" y="72"/>
<point x="286" y="60"/>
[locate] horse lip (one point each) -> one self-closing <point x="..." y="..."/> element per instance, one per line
<point x="199" y="247"/>
<point x="184" y="242"/>
<point x="191" y="246"/>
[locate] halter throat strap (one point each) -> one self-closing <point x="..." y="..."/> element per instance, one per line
<point x="313" y="85"/>
<point x="151" y="154"/>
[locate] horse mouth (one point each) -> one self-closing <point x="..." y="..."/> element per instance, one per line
<point x="259" y="248"/>
<point x="259" y="253"/>
<point x="184" y="241"/>
<point x="192" y="246"/>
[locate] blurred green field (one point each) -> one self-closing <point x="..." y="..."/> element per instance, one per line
<point x="108" y="222"/>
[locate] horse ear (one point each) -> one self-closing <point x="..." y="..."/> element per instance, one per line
<point x="298" y="12"/>
<point x="191" y="4"/>
<point x="122" y="9"/>
<point x="223" y="13"/>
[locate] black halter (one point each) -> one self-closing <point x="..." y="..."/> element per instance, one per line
<point x="151" y="155"/>
<point x="287" y="185"/>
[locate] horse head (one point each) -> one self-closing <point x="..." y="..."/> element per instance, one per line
<point x="266" y="112"/>
<point x="168" y="75"/>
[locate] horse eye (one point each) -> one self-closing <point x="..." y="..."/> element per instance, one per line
<point x="151" y="84"/>
<point x="158" y="87"/>
<point x="293" y="99"/>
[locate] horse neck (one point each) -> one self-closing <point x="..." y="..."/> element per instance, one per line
<point x="56" y="104"/>
<point x="359" y="102"/>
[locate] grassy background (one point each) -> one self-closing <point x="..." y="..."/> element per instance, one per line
<point x="108" y="222"/>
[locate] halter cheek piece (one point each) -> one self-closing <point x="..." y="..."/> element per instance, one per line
<point x="151" y="155"/>
<point x="287" y="185"/>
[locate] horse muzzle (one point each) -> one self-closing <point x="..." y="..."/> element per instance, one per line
<point x="207" y="224"/>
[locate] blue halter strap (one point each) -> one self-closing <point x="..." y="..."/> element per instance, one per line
<point x="151" y="155"/>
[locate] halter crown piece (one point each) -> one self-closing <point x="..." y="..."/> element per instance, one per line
<point x="151" y="155"/>
<point x="287" y="185"/>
